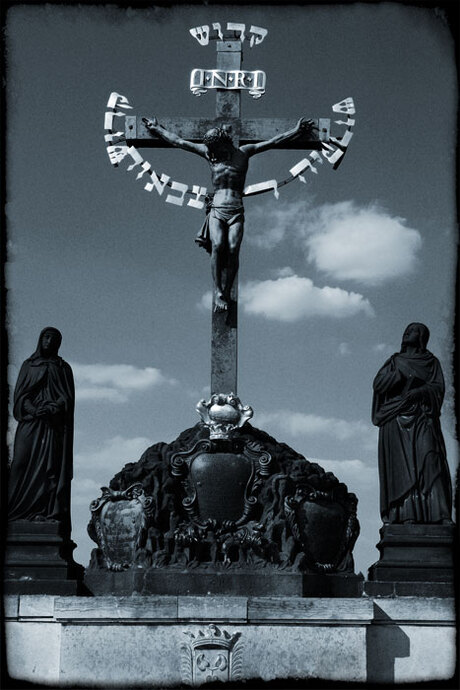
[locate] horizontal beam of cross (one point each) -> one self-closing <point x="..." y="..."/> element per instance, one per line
<point x="250" y="131"/>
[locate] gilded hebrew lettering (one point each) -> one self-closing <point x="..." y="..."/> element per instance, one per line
<point x="199" y="192"/>
<point x="158" y="184"/>
<point x="117" y="153"/>
<point x="232" y="26"/>
<point x="111" y="137"/>
<point x="346" y="106"/>
<point x="145" y="168"/>
<point x="201" y="33"/>
<point x="136" y="156"/>
<point x="258" y="35"/>
<point x="108" y="119"/>
<point x="177" y="200"/>
<point x="216" y="27"/>
<point x="113" y="101"/>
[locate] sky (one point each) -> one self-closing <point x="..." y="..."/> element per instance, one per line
<point x="331" y="271"/>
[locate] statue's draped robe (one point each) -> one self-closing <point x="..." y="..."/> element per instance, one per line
<point x="414" y="476"/>
<point x="41" y="471"/>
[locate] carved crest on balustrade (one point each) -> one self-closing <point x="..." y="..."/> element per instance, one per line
<point x="211" y="654"/>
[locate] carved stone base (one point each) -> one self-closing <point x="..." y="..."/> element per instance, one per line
<point x="199" y="583"/>
<point x="415" y="553"/>
<point x="38" y="560"/>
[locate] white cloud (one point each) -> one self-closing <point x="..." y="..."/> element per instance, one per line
<point x="99" y="393"/>
<point x="284" y="272"/>
<point x="206" y="301"/>
<point x="344" y="349"/>
<point x="114" y="382"/>
<point x="383" y="349"/>
<point x="300" y="424"/>
<point x="85" y="490"/>
<point x="271" y="223"/>
<point x="366" y="245"/>
<point x="111" y="455"/>
<point x="293" y="298"/>
<point x="354" y="473"/>
<point x="343" y="240"/>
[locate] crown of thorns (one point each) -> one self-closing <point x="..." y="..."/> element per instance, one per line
<point x="215" y="136"/>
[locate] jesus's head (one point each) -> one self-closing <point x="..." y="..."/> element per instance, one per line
<point x="217" y="141"/>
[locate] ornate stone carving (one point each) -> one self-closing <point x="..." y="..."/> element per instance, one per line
<point x="221" y="489"/>
<point x="245" y="503"/>
<point x="119" y="521"/>
<point x="223" y="414"/>
<point x="211" y="654"/>
<point x="325" y="528"/>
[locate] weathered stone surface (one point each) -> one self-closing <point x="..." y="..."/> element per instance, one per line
<point x="299" y="652"/>
<point x="33" y="651"/>
<point x="238" y="583"/>
<point x="291" y="608"/>
<point x="122" y="608"/>
<point x="41" y="606"/>
<point x="409" y="653"/>
<point x="121" y="655"/>
<point x="415" y="609"/>
<point x="11" y="605"/>
<point x="214" y="608"/>
<point x="100" y="582"/>
<point x="409" y="589"/>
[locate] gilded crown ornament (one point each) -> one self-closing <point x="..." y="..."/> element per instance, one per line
<point x="223" y="414"/>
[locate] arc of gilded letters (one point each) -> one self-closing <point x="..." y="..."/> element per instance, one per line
<point x="118" y="150"/>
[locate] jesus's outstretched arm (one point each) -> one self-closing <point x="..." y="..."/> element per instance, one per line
<point x="302" y="125"/>
<point x="173" y="139"/>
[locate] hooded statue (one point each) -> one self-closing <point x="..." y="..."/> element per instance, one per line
<point x="415" y="484"/>
<point x="41" y="470"/>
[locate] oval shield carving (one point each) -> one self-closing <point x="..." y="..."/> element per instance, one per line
<point x="220" y="481"/>
<point x="120" y="521"/>
<point x="322" y="529"/>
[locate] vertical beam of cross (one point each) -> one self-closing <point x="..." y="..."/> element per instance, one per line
<point x="224" y="334"/>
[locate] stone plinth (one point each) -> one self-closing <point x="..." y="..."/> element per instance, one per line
<point x="234" y="582"/>
<point x="38" y="560"/>
<point x="415" y="553"/>
<point x="166" y="641"/>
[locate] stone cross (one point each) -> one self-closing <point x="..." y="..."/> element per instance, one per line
<point x="224" y="358"/>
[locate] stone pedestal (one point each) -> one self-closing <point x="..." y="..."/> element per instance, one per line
<point x="224" y="583"/>
<point x="38" y="560"/>
<point x="415" y="553"/>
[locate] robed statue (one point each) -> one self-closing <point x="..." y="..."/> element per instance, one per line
<point x="415" y="484"/>
<point x="41" y="469"/>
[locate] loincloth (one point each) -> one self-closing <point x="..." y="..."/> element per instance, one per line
<point x="227" y="214"/>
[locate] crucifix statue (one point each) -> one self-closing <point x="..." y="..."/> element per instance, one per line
<point x="227" y="142"/>
<point x="222" y="231"/>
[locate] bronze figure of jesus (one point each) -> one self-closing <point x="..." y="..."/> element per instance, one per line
<point x="223" y="230"/>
